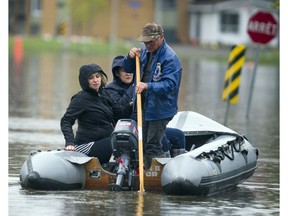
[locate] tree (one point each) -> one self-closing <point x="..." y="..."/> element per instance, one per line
<point x="276" y="4"/>
<point x="83" y="12"/>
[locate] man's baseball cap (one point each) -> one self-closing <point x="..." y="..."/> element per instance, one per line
<point x="150" y="32"/>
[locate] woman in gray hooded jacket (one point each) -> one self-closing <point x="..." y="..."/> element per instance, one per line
<point x="96" y="114"/>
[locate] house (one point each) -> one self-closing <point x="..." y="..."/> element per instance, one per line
<point x="205" y="22"/>
<point x="104" y="19"/>
<point x="216" y="23"/>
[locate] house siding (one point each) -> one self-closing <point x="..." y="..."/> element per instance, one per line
<point x="205" y="24"/>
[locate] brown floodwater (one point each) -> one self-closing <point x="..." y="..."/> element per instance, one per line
<point x="40" y="87"/>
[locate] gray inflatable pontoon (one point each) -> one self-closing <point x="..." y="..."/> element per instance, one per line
<point x="219" y="158"/>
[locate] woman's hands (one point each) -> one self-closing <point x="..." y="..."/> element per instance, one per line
<point x="70" y="148"/>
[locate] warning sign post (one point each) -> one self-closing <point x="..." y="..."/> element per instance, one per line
<point x="233" y="77"/>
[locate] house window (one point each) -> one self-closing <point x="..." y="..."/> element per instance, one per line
<point x="229" y="22"/>
<point x="36" y="8"/>
<point x="168" y="4"/>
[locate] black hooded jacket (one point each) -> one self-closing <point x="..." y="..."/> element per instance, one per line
<point x="120" y="92"/>
<point x="95" y="112"/>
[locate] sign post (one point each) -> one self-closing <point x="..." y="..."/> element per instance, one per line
<point x="262" y="28"/>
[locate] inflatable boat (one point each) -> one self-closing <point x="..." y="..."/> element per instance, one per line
<point x="217" y="159"/>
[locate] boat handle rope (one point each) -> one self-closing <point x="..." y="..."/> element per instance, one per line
<point x="222" y="151"/>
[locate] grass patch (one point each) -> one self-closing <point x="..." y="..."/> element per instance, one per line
<point x="267" y="56"/>
<point x="77" y="45"/>
<point x="88" y="45"/>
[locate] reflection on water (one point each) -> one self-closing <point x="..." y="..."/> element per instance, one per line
<point x="247" y="199"/>
<point x="40" y="88"/>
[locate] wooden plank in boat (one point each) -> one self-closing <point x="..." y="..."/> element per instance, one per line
<point x="96" y="177"/>
<point x="152" y="178"/>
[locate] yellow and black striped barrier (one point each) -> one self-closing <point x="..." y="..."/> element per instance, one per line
<point x="233" y="74"/>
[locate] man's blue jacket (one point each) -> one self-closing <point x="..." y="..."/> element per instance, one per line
<point x="165" y="78"/>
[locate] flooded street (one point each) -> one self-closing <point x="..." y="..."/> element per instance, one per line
<point x="40" y="88"/>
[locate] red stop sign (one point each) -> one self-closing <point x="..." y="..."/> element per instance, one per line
<point x="262" y="27"/>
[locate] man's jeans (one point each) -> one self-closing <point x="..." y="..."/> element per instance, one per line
<point x="153" y="132"/>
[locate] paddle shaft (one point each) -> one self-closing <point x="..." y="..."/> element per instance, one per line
<point x="139" y="122"/>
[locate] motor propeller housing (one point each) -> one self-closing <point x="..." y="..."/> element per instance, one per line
<point x="124" y="141"/>
<point x="124" y="138"/>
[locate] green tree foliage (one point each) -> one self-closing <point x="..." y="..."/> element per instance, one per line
<point x="83" y="12"/>
<point x="276" y="4"/>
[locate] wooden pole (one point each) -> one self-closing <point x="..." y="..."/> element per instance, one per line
<point x="139" y="122"/>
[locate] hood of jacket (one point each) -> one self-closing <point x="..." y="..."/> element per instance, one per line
<point x="116" y="64"/>
<point x="84" y="73"/>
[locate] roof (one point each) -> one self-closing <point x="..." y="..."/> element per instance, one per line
<point x="211" y="6"/>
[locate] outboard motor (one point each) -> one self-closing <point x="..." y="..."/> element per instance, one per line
<point x="124" y="141"/>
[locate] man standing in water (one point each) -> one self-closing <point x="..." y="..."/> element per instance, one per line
<point x="161" y="73"/>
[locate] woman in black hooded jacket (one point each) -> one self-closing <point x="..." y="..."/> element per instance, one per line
<point x="96" y="114"/>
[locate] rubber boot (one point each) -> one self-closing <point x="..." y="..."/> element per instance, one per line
<point x="167" y="154"/>
<point x="148" y="159"/>
<point x="147" y="162"/>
